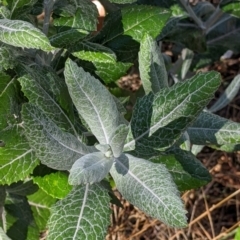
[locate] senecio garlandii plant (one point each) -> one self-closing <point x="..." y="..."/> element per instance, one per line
<point x="63" y="134"/>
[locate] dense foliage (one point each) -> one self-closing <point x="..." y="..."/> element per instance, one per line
<point x="65" y="135"/>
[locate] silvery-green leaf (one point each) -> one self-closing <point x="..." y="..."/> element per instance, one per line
<point x="54" y="147"/>
<point x="46" y="92"/>
<point x="159" y="120"/>
<point x="93" y="52"/>
<point x="195" y="149"/>
<point x="118" y="139"/>
<point x="23" y="34"/>
<point x="183" y="179"/>
<point x="16" y="154"/>
<point x="149" y="187"/>
<point x="211" y="129"/>
<point x="140" y="19"/>
<point x="83" y="214"/>
<point x="151" y="66"/>
<point x="187" y="56"/>
<point x="4" y="12"/>
<point x="3" y="235"/>
<point x="7" y="58"/>
<point x="228" y="95"/>
<point x="85" y="17"/>
<point x="103" y="148"/>
<point x="111" y="72"/>
<point x="61" y="39"/>
<point x="90" y="168"/>
<point x="93" y="102"/>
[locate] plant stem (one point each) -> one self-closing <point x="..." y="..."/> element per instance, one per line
<point x="48" y="6"/>
<point x="192" y="14"/>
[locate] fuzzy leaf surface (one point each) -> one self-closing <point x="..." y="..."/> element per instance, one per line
<point x="159" y="120"/>
<point x="118" y="140"/>
<point x="151" y="66"/>
<point x="45" y="92"/>
<point x="54" y="184"/>
<point x="72" y="217"/>
<point x="93" y="102"/>
<point x="140" y="19"/>
<point x="3" y="235"/>
<point x="23" y="34"/>
<point x="149" y="187"/>
<point x="211" y="129"/>
<point x="54" y="147"/>
<point x="15" y="152"/>
<point x="90" y="168"/>
<point x="93" y="52"/>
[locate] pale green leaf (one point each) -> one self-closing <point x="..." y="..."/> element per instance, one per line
<point x="54" y="147"/>
<point x="3" y="235"/>
<point x="232" y="8"/>
<point x="93" y="102"/>
<point x="4" y="12"/>
<point x="54" y="184"/>
<point x="83" y="214"/>
<point x="90" y="168"/>
<point x="23" y="34"/>
<point x="159" y="120"/>
<point x="111" y="72"/>
<point x="93" y="52"/>
<point x="140" y="19"/>
<point x="211" y="129"/>
<point x="151" y="66"/>
<point x="118" y="139"/>
<point x="227" y="96"/>
<point x="15" y="153"/>
<point x="149" y="187"/>
<point x="187" y="57"/>
<point x="40" y="203"/>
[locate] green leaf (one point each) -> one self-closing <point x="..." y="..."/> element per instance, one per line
<point x="83" y="88"/>
<point x="55" y="184"/>
<point x="83" y="214"/>
<point x="22" y="188"/>
<point x="186" y="170"/>
<point x="17" y="7"/>
<point x="118" y="140"/>
<point x="149" y="187"/>
<point x="61" y="39"/>
<point x="15" y="153"/>
<point x="232" y="8"/>
<point x="111" y="72"/>
<point x="140" y="19"/>
<point x="3" y="235"/>
<point x="90" y="168"/>
<point x="93" y="52"/>
<point x="227" y="96"/>
<point x="40" y="203"/>
<point x="4" y="12"/>
<point x="55" y="148"/>
<point x="211" y="129"/>
<point x="49" y="93"/>
<point x="85" y="17"/>
<point x="23" y="34"/>
<point x="7" y="58"/>
<point x="151" y="66"/>
<point x="159" y="120"/>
